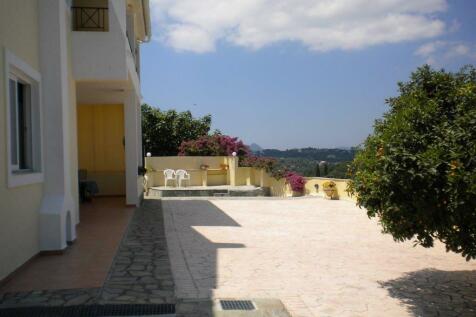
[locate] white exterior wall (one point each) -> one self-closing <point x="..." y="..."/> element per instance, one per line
<point x="101" y="55"/>
<point x="58" y="207"/>
<point x="106" y="56"/>
<point x="132" y="132"/>
<point x="119" y="9"/>
<point x="132" y="72"/>
<point x="42" y="216"/>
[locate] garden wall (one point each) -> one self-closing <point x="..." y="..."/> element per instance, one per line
<point x="341" y="185"/>
<point x="215" y="175"/>
<point x="233" y="175"/>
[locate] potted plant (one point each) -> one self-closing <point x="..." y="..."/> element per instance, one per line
<point x="330" y="188"/>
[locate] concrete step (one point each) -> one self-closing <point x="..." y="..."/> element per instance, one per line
<point x="219" y="191"/>
<point x="221" y="194"/>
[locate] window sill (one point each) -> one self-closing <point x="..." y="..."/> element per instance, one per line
<point x="23" y="172"/>
<point x="22" y="178"/>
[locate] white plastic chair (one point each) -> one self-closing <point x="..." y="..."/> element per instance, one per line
<point x="169" y="175"/>
<point x="182" y="175"/>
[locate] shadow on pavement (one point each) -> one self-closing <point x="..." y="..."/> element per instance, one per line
<point x="432" y="292"/>
<point x="193" y="256"/>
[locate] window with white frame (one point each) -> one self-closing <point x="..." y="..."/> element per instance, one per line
<point x="24" y="126"/>
<point x="20" y="125"/>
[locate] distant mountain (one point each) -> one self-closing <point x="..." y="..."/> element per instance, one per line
<point x="255" y="148"/>
<point x="306" y="161"/>
<point x="329" y="155"/>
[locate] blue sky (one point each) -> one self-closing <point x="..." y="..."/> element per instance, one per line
<point x="297" y="73"/>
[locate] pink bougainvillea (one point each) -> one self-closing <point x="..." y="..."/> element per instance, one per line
<point x="224" y="145"/>
<point x="266" y="163"/>
<point x="296" y="181"/>
<point x="214" y="145"/>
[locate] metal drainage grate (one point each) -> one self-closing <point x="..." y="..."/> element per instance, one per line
<point x="89" y="310"/>
<point x="237" y="305"/>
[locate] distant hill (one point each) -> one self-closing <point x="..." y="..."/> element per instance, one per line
<point x="255" y="148"/>
<point x="314" y="154"/>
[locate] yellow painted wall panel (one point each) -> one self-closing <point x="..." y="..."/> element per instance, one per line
<point x="85" y="137"/>
<point x="101" y="146"/>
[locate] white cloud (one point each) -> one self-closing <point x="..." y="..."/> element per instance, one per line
<point x="429" y="48"/>
<point x="438" y="52"/>
<point x="458" y="50"/>
<point x="320" y="25"/>
<point x="182" y="37"/>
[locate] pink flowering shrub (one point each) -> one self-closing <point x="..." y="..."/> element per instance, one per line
<point x="296" y="181"/>
<point x="214" y="145"/>
<point x="266" y="163"/>
<point x="270" y="165"/>
<point x="224" y="145"/>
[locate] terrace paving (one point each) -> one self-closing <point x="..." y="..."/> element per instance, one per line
<point x="140" y="272"/>
<point x="319" y="257"/>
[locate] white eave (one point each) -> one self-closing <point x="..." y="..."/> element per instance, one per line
<point x="146" y="17"/>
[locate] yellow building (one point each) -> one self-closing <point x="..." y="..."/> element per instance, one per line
<point x="69" y="101"/>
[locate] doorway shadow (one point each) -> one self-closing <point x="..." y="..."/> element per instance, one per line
<point x="432" y="292"/>
<point x="193" y="255"/>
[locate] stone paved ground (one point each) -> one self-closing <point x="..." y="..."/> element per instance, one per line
<point x="68" y="297"/>
<point x="320" y="257"/>
<point x="140" y="273"/>
<point x="141" y="270"/>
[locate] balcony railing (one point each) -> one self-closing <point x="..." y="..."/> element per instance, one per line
<point x="90" y="19"/>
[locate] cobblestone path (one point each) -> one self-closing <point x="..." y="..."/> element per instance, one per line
<point x="141" y="270"/>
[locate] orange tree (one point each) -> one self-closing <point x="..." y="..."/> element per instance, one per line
<point x="417" y="171"/>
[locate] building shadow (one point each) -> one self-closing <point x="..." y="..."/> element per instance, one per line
<point x="193" y="256"/>
<point x="432" y="292"/>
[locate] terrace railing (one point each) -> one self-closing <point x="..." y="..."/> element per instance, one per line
<point x="93" y="19"/>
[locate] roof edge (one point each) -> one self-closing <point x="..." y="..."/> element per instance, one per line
<point x="146" y="14"/>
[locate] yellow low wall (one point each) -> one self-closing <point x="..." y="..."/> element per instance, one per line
<point x="160" y="163"/>
<point x="241" y="176"/>
<point x="214" y="176"/>
<point x="341" y="185"/>
<point x="244" y="176"/>
<point x="279" y="188"/>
